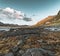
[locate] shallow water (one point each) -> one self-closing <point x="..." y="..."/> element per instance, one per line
<point x="4" y="28"/>
<point x="53" y="29"/>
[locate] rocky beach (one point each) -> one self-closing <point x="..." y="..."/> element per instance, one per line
<point x="30" y="41"/>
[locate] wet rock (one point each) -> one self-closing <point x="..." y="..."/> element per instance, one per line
<point x="1" y="54"/>
<point x="32" y="52"/>
<point x="27" y="54"/>
<point x="46" y="52"/>
<point x="15" y="49"/>
<point x="11" y="30"/>
<point x="21" y="52"/>
<point x="38" y="52"/>
<point x="9" y="54"/>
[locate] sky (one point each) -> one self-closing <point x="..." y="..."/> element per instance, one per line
<point x="35" y="9"/>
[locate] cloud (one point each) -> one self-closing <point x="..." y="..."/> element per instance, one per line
<point x="8" y="10"/>
<point x="11" y="16"/>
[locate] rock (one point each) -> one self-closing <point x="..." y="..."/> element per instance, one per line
<point x="21" y="52"/>
<point x="38" y="52"/>
<point x="40" y="41"/>
<point x="33" y="52"/>
<point x="9" y="54"/>
<point x="15" y="49"/>
<point x="11" y="30"/>
<point x="46" y="52"/>
<point x="26" y="46"/>
<point x="20" y="42"/>
<point x="27" y="54"/>
<point x="1" y="54"/>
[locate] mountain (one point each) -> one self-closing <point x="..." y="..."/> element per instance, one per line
<point x="45" y="21"/>
<point x="50" y="21"/>
<point x="9" y="25"/>
<point x="1" y="23"/>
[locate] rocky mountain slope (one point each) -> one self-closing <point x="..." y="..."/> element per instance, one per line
<point x="50" y="20"/>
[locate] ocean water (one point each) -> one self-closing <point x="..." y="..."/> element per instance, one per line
<point x="4" y="28"/>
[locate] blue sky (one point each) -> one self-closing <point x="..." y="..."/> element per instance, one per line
<point x="37" y="9"/>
